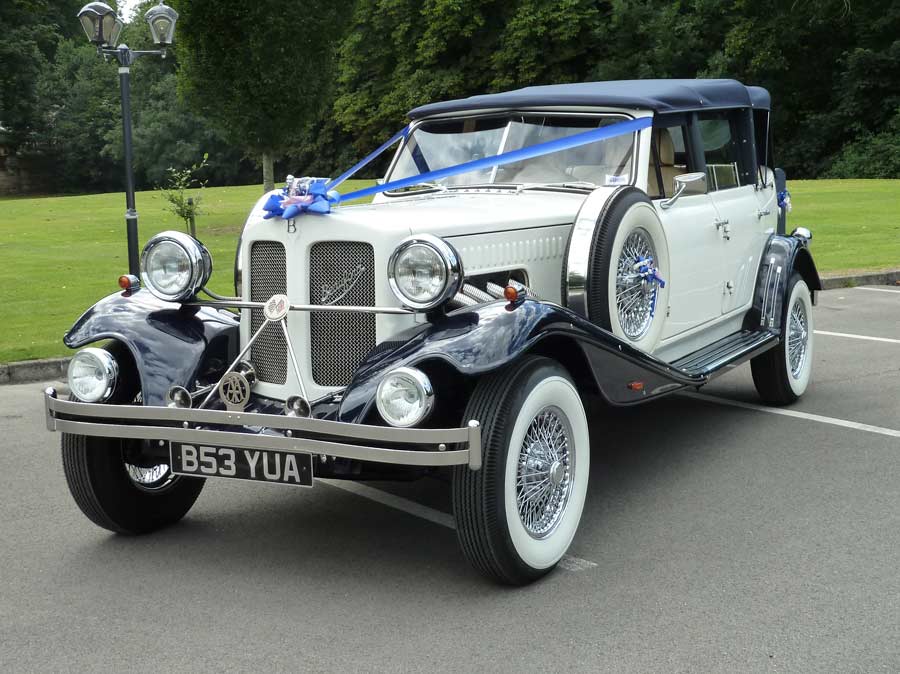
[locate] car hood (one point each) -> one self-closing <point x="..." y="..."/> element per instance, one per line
<point x="451" y="213"/>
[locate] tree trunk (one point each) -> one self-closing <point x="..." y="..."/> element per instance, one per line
<point x="268" y="166"/>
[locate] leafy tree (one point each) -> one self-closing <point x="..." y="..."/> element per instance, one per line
<point x="398" y="54"/>
<point x="82" y="108"/>
<point x="258" y="72"/>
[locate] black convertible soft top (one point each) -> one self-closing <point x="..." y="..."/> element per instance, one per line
<point x="657" y="95"/>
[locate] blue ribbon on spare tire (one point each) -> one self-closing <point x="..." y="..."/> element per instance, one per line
<point x="317" y="195"/>
<point x="648" y="272"/>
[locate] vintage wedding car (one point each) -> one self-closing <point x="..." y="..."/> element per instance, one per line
<point x="525" y="250"/>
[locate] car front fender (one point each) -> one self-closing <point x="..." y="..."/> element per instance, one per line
<point x="170" y="343"/>
<point x="477" y="340"/>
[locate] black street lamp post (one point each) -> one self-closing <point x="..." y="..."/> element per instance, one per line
<point x="103" y="26"/>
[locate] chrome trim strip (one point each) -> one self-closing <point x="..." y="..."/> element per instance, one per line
<point x="474" y="430"/>
<point x="195" y="416"/>
<point x="574" y="291"/>
<point x="282" y="444"/>
<point x="299" y="307"/>
<point x="775" y="286"/>
<point x="766" y="291"/>
<point x="49" y="394"/>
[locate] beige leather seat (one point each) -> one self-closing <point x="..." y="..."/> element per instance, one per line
<point x="666" y="150"/>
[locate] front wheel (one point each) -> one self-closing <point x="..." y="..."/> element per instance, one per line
<point x="781" y="375"/>
<point x="121" y="496"/>
<point x="517" y="515"/>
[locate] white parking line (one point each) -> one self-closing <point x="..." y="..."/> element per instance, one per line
<point x="877" y="290"/>
<point x="848" y="335"/>
<point x="855" y="425"/>
<point x="444" y="519"/>
<point x="392" y="501"/>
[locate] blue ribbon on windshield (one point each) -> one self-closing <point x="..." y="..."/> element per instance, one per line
<point x="316" y="195"/>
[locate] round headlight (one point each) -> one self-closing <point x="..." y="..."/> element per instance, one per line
<point x="174" y="266"/>
<point x="424" y="272"/>
<point x="404" y="397"/>
<point x="92" y="375"/>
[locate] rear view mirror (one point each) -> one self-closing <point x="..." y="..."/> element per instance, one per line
<point x="687" y="184"/>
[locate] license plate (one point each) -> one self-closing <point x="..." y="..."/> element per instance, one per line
<point x="260" y="465"/>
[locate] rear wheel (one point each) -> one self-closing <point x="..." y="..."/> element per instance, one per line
<point x="117" y="483"/>
<point x="781" y="375"/>
<point x="517" y="515"/>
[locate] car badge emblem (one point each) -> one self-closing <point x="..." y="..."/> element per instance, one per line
<point x="277" y="307"/>
<point x="234" y="389"/>
<point x="332" y="294"/>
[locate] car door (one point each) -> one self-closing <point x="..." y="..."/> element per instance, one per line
<point x="695" y="246"/>
<point x="727" y="151"/>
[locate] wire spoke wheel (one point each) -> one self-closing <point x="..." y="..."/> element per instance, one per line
<point x="635" y="295"/>
<point x="798" y="337"/>
<point x="545" y="471"/>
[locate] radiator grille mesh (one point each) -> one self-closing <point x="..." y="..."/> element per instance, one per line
<point x="341" y="273"/>
<point x="268" y="276"/>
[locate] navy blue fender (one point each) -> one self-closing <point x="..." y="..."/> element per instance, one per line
<point x="477" y="340"/>
<point x="170" y="343"/>
<point x="783" y="256"/>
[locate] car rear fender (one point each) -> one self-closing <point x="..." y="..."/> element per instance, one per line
<point x="783" y="256"/>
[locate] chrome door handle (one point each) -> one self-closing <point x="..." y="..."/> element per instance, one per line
<point x="763" y="213"/>
<point x="722" y="225"/>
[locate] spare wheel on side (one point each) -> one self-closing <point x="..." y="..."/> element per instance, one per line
<point x="627" y="270"/>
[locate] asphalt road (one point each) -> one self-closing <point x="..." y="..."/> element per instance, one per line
<point x="715" y="538"/>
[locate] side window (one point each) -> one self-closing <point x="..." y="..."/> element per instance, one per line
<point x="763" y="149"/>
<point x="668" y="158"/>
<point x="720" y="149"/>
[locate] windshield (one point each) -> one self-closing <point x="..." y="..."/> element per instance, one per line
<point x="444" y="143"/>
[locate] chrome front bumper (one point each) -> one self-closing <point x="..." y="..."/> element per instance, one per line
<point x="420" y="446"/>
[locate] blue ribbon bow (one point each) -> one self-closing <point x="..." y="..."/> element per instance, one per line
<point x="648" y="272"/>
<point x="301" y="195"/>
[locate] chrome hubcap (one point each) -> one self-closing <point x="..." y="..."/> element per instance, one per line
<point x="150" y="478"/>
<point x="798" y="338"/>
<point x="545" y="472"/>
<point x="635" y="294"/>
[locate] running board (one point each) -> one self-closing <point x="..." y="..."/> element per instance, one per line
<point x="737" y="347"/>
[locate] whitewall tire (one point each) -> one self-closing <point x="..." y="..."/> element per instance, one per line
<point x="621" y="299"/>
<point x="517" y="516"/>
<point x="781" y="375"/>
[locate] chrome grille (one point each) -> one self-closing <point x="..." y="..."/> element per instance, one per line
<point x="341" y="273"/>
<point x="268" y="276"/>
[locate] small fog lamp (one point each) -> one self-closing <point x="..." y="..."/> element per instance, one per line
<point x="405" y="397"/>
<point x="92" y="375"/>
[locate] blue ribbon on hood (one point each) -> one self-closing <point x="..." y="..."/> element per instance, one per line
<point x="316" y="195"/>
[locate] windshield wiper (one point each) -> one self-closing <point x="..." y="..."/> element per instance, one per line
<point x="572" y="185"/>
<point x="419" y="186"/>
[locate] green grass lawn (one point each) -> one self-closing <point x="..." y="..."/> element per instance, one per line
<point x="855" y="223"/>
<point x="58" y="255"/>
